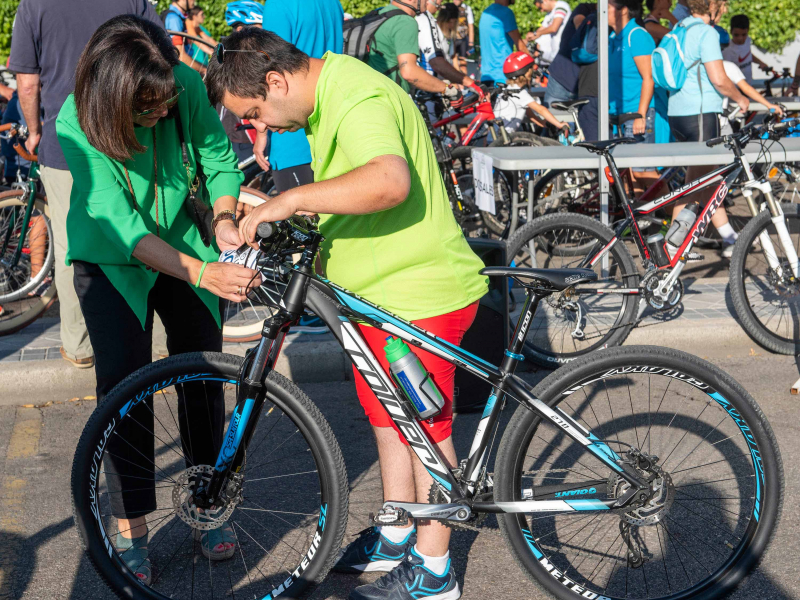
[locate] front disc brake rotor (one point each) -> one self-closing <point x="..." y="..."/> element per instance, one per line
<point x="186" y="484"/>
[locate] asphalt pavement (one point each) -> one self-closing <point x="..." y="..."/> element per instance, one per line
<point x="41" y="556"/>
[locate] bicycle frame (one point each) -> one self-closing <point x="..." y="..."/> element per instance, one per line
<point x="30" y="186"/>
<point x="341" y="310"/>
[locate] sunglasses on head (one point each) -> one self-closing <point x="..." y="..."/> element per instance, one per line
<point x="168" y="103"/>
<point x="220" y="50"/>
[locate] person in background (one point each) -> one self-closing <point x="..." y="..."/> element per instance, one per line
<point x="395" y="52"/>
<point x="658" y="11"/>
<point x="45" y="77"/>
<point x="548" y="36"/>
<point x="433" y="50"/>
<point x="681" y="11"/>
<point x="175" y="20"/>
<point x="5" y="92"/>
<point x="740" y="50"/>
<point x="738" y="78"/>
<point x="588" y="115"/>
<point x="693" y="111"/>
<point x="243" y="13"/>
<point x="630" y="77"/>
<point x="14" y="163"/>
<point x="447" y="20"/>
<point x="516" y="104"/>
<point x="465" y="35"/>
<point x="563" y="83"/>
<point x="194" y="26"/>
<point x="500" y="37"/>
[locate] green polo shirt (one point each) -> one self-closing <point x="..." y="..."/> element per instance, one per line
<point x="413" y="259"/>
<point x="398" y="35"/>
<point x="104" y="226"/>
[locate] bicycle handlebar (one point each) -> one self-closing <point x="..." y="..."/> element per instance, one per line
<point x="746" y="134"/>
<point x="24" y="153"/>
<point x="7" y="126"/>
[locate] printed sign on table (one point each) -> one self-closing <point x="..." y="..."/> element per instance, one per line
<point x="484" y="183"/>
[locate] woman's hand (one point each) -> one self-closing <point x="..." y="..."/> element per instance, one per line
<point x="277" y="209"/>
<point x="639" y="126"/>
<point x="227" y="235"/>
<point x="229" y="281"/>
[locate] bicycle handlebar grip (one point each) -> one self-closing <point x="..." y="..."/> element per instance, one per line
<point x="24" y="153"/>
<point x="265" y="230"/>
<point x="7" y="126"/>
<point x="715" y="142"/>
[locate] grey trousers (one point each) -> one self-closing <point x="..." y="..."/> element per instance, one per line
<point x="74" y="337"/>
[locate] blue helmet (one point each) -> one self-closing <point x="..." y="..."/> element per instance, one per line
<point x="724" y="36"/>
<point x="246" y="12"/>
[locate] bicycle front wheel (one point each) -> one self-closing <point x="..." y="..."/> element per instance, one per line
<point x="715" y="497"/>
<point x="568" y="326"/>
<point x="765" y="294"/>
<point x="157" y="434"/>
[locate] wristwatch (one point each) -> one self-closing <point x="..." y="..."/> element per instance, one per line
<point x="221" y="216"/>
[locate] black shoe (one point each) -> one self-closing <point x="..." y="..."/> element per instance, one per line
<point x="373" y="552"/>
<point x="411" y="581"/>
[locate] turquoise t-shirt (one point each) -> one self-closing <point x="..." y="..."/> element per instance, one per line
<point x="625" y="81"/>
<point x="315" y="27"/>
<point x="497" y="21"/>
<point x="701" y="43"/>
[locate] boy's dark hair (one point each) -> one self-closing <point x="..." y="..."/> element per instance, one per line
<point x="634" y="8"/>
<point x="740" y="22"/>
<point x="126" y="66"/>
<point x="244" y="74"/>
<point x="193" y="12"/>
<point x="650" y="4"/>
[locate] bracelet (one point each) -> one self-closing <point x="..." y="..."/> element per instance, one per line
<point x="223" y="214"/>
<point x="202" y="270"/>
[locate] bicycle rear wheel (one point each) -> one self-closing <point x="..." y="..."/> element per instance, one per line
<point x="26" y="289"/>
<point x="718" y="468"/>
<point x="565" y="328"/>
<point x="288" y="524"/>
<point x="767" y="300"/>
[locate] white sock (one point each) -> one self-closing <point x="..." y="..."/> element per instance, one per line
<point x="727" y="233"/>
<point x="396" y="535"/>
<point x="437" y="564"/>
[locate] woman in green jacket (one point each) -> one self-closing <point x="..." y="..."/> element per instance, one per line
<point x="135" y="248"/>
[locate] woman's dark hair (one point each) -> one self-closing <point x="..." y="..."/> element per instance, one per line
<point x="650" y="4"/>
<point x="634" y="9"/>
<point x="447" y="12"/>
<point x="193" y="12"/>
<point x="244" y="74"/>
<point x="126" y="66"/>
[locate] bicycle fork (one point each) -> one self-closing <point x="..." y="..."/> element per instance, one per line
<point x="250" y="398"/>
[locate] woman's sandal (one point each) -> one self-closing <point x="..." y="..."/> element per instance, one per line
<point x="217" y="544"/>
<point x="134" y="554"/>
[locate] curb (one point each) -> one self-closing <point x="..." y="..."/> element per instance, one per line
<point x="40" y="381"/>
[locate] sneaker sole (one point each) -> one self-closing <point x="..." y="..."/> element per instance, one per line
<point x="372" y="567"/>
<point x="453" y="594"/>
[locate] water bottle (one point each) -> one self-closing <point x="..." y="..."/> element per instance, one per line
<point x="655" y="244"/>
<point x="680" y="227"/>
<point x="413" y="379"/>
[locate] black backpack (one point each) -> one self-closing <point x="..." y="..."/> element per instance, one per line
<point x="359" y="34"/>
<point x="163" y="14"/>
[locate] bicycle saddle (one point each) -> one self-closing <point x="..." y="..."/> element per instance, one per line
<point x="554" y="279"/>
<point x="568" y="104"/>
<point x="606" y="145"/>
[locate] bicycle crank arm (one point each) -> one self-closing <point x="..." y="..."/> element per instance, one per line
<point x="439" y="512"/>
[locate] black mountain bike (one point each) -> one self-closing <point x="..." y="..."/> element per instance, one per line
<point x="636" y="473"/>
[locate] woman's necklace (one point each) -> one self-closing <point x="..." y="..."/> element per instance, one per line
<point x="155" y="185"/>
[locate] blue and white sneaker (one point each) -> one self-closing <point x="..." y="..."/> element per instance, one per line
<point x="372" y="552"/>
<point x="411" y="581"/>
<point x="310" y="324"/>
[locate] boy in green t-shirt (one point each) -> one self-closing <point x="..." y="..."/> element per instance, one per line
<point x="390" y="237"/>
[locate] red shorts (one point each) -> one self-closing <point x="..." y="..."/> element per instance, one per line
<point x="450" y="327"/>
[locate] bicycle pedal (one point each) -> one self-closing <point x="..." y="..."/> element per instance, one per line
<point x="389" y="517"/>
